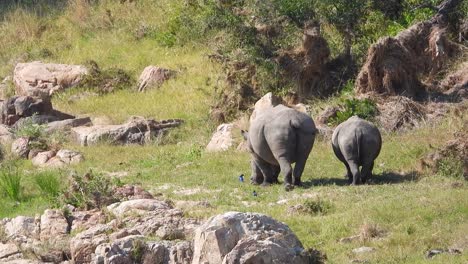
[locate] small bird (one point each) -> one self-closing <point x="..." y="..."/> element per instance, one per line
<point x="254" y="193"/>
<point x="241" y="178"/>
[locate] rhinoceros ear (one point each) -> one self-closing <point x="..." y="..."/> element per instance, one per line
<point x="245" y="134"/>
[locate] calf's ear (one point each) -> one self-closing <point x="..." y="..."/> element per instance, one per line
<point x="245" y="134"/>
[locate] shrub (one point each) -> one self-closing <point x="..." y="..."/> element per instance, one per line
<point x="30" y="130"/>
<point x="105" y="80"/>
<point x="317" y="206"/>
<point x="10" y="183"/>
<point x="88" y="191"/>
<point x="48" y="183"/>
<point x="365" y="109"/>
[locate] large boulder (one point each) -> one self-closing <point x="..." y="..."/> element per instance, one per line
<point x="136" y="130"/>
<point x="61" y="158"/>
<point x="222" y="139"/>
<point x="8" y="250"/>
<point x="42" y="79"/>
<point x="153" y="76"/>
<point x="236" y="237"/>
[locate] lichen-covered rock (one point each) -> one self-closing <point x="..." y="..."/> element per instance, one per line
<point x="53" y="225"/>
<point x="83" y="245"/>
<point x="42" y="79"/>
<point x="236" y="237"/>
<point x="165" y="252"/>
<point x="222" y="139"/>
<point x="22" y="227"/>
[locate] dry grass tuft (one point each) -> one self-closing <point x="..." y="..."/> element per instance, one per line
<point x="369" y="231"/>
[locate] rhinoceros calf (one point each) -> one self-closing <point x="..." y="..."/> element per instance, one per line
<point x="357" y="143"/>
<point x="276" y="139"/>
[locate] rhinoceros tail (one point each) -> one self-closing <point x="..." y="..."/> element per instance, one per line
<point x="305" y="125"/>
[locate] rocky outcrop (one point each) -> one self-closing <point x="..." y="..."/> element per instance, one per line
<point x="89" y="237"/>
<point x="222" y="139"/>
<point x="42" y="79"/>
<point x="236" y="237"/>
<point x="137" y="130"/>
<point x="153" y="76"/>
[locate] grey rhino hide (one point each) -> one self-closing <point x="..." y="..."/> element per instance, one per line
<point x="357" y="143"/>
<point x="276" y="139"/>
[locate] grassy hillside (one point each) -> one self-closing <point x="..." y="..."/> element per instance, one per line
<point x="408" y="210"/>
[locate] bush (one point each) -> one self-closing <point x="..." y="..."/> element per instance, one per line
<point x="10" y="183"/>
<point x="317" y="206"/>
<point x="105" y="81"/>
<point x="48" y="183"/>
<point x="365" y="109"/>
<point x="89" y="191"/>
<point x="30" y="130"/>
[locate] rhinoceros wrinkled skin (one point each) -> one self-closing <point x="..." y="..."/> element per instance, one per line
<point x="357" y="143"/>
<point x="276" y="139"/>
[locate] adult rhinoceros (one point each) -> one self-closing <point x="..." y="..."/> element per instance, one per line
<point x="277" y="138"/>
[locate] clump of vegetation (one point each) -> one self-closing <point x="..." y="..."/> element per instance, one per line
<point x="317" y="206"/>
<point x="450" y="166"/>
<point x="48" y="183"/>
<point x="89" y="191"/>
<point x="105" y="81"/>
<point x="10" y="183"/>
<point x="365" y="109"/>
<point x="369" y="231"/>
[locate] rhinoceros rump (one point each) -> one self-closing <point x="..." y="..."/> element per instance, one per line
<point x="276" y="139"/>
<point x="357" y="143"/>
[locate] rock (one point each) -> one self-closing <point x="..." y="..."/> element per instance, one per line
<point x="8" y="250"/>
<point x="20" y="147"/>
<point x="266" y="102"/>
<point x="236" y="237"/>
<point x="84" y="244"/>
<point x="22" y="226"/>
<point x="17" y="107"/>
<point x="164" y="252"/>
<point x="123" y="233"/>
<point x="153" y="76"/>
<point x="83" y="220"/>
<point x="139" y="206"/>
<point x="22" y="261"/>
<point x="222" y="139"/>
<point x="42" y="79"/>
<point x="41" y="158"/>
<point x="131" y="192"/>
<point x="326" y="115"/>
<point x="69" y="157"/>
<point x="67" y="124"/>
<point x="123" y="250"/>
<point x="243" y="146"/>
<point x="58" y="159"/>
<point x="363" y="250"/>
<point x="6" y="136"/>
<point x="137" y="130"/>
<point x="53" y="225"/>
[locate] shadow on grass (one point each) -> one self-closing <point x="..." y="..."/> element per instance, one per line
<point x="377" y="179"/>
